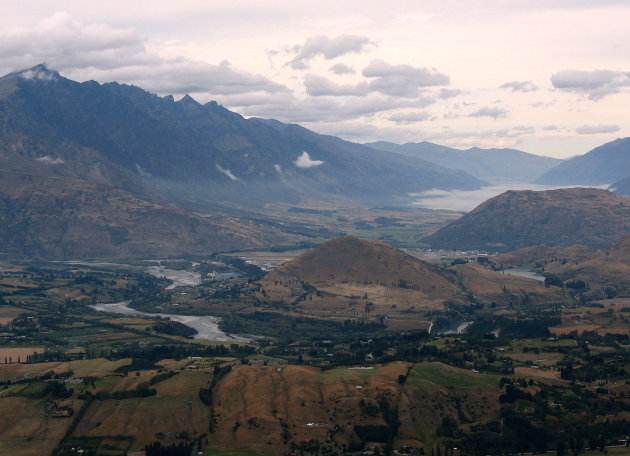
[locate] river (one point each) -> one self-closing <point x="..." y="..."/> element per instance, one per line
<point x="180" y="278"/>
<point x="525" y="273"/>
<point x="207" y="326"/>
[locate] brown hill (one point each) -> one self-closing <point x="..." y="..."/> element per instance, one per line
<point x="353" y="278"/>
<point x="350" y="278"/>
<point x="605" y="272"/>
<point x="349" y="259"/>
<point x="264" y="409"/>
<point x="517" y="219"/>
<point x="47" y="216"/>
<point x="490" y="286"/>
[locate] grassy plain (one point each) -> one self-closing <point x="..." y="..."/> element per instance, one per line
<point x="8" y="314"/>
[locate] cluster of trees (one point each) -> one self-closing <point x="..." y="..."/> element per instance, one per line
<point x="143" y="390"/>
<point x="174" y="328"/>
<point x="175" y="449"/>
<point x="153" y="353"/>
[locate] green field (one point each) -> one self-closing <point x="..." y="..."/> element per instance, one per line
<point x="425" y="374"/>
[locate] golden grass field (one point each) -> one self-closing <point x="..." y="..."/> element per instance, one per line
<point x="260" y="409"/>
<point x="81" y="368"/>
<point x="609" y="319"/>
<point x="26" y="428"/>
<point x="9" y="313"/>
<point x="255" y="404"/>
<point x="175" y="409"/>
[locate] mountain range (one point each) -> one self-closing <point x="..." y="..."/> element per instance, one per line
<point x="95" y="170"/>
<point x="497" y="166"/>
<point x="196" y="155"/>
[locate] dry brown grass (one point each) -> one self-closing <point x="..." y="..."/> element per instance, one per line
<point x="264" y="399"/>
<point x="89" y="367"/>
<point x="8" y="314"/>
<point x="177" y="408"/>
<point x="560" y="330"/>
<point x="495" y="286"/>
<point x="540" y="373"/>
<point x="541" y="359"/>
<point x="27" y="429"/>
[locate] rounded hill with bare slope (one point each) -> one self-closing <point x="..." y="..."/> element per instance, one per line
<point x="349" y="259"/>
<point x="517" y="219"/>
<point x="350" y="278"/>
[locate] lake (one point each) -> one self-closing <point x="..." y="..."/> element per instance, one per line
<point x="467" y="200"/>
<point x="525" y="273"/>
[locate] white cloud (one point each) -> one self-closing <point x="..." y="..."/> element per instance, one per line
<point x="40" y="73"/>
<point x="342" y="68"/>
<point x="227" y="172"/>
<point x="596" y="129"/>
<point x="329" y="48"/>
<point x="596" y="84"/>
<point x="289" y="108"/>
<point x="448" y="93"/>
<point x="487" y="111"/>
<point x="520" y="86"/>
<point x="181" y="76"/>
<point x="410" y="117"/>
<point x="98" y="51"/>
<point x="402" y="80"/>
<point x="48" y="160"/>
<point x="65" y="43"/>
<point x="304" y="161"/>
<point x="317" y="85"/>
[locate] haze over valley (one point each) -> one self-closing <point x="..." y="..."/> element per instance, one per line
<point x="314" y="229"/>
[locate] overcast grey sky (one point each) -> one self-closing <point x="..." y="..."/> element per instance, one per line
<point x="548" y="77"/>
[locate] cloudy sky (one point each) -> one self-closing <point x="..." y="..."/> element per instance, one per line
<point x="550" y="77"/>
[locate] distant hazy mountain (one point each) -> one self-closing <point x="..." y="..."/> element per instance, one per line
<point x="44" y="215"/>
<point x="516" y="219"/>
<point x="492" y="165"/>
<point x="198" y="155"/>
<point x="621" y="187"/>
<point x="603" y="165"/>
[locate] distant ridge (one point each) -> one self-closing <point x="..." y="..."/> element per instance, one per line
<point x="603" y="165"/>
<point x="621" y="187"/>
<point x="492" y="165"/>
<point x="516" y="219"/>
